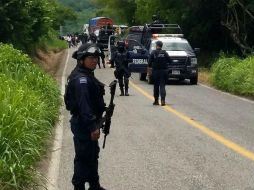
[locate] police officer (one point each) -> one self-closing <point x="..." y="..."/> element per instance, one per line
<point x="109" y="29"/>
<point x="84" y="99"/>
<point x="156" y="25"/>
<point x="93" y="39"/>
<point x="83" y="38"/>
<point x="120" y="60"/>
<point x="158" y="61"/>
<point x="156" y="19"/>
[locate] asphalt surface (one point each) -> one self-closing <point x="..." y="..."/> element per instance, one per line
<point x="202" y="139"/>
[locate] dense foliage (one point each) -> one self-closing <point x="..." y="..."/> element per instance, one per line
<point x="234" y="75"/>
<point x="29" y="104"/>
<point x="24" y="22"/>
<point x="215" y="25"/>
<point x="84" y="9"/>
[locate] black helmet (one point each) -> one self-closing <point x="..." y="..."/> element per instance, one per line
<point x="159" y="43"/>
<point x="154" y="17"/>
<point x="86" y="50"/>
<point x="93" y="37"/>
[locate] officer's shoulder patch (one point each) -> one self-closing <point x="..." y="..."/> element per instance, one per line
<point x="82" y="80"/>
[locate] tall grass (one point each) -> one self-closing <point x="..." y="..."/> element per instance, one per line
<point x="234" y="75"/>
<point x="29" y="104"/>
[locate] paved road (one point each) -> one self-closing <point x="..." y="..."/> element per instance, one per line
<point x="202" y="139"/>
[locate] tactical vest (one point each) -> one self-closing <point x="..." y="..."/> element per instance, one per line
<point x="121" y="60"/>
<point x="69" y="98"/>
<point x="160" y="60"/>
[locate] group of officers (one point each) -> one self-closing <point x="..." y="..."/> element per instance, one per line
<point x="84" y="99"/>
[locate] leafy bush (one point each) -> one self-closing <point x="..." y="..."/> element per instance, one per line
<point x="234" y="75"/>
<point x="24" y="23"/>
<point x="51" y="43"/>
<point x="29" y="104"/>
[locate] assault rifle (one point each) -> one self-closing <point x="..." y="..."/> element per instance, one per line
<point x="109" y="112"/>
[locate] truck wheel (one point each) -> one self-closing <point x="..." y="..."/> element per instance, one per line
<point x="194" y="80"/>
<point x="150" y="80"/>
<point x="142" y="76"/>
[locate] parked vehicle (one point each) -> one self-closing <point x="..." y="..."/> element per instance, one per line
<point x="102" y="27"/>
<point x="184" y="60"/>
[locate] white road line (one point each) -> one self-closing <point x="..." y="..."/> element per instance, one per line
<point x="57" y="146"/>
<point x="244" y="99"/>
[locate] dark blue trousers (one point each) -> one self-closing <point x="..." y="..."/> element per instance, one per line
<point x="160" y="78"/>
<point x="85" y="161"/>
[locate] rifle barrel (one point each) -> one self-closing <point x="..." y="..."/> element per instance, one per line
<point x="104" y="141"/>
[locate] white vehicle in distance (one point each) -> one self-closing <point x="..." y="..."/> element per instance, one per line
<point x="184" y="63"/>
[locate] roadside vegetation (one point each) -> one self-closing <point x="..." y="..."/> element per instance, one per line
<point x="51" y="43"/>
<point x="233" y="74"/>
<point x="29" y="98"/>
<point x="28" y="23"/>
<point x="29" y="108"/>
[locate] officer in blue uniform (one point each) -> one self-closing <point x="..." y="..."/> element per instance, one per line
<point x="84" y="99"/>
<point x="120" y="60"/>
<point x="156" y="25"/>
<point x="158" y="61"/>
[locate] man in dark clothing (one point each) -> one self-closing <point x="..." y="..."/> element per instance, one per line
<point x="109" y="29"/>
<point x="93" y="39"/>
<point x="156" y="25"/>
<point x="83" y="38"/>
<point x="158" y="61"/>
<point x="84" y="99"/>
<point x="120" y="60"/>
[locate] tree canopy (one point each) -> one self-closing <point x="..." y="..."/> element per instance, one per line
<point x="84" y="9"/>
<point x="216" y="25"/>
<point x="24" y="22"/>
<point x="212" y="25"/>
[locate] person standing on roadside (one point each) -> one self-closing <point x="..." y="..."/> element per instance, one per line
<point x="120" y="60"/>
<point x="158" y="62"/>
<point x="84" y="99"/>
<point x="69" y="40"/>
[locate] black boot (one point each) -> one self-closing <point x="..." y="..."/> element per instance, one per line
<point x="126" y="85"/>
<point x="95" y="186"/>
<point x="156" y="102"/>
<point x="79" y="187"/>
<point x="98" y="188"/>
<point x="122" y="92"/>
<point x="163" y="103"/>
<point x="126" y="92"/>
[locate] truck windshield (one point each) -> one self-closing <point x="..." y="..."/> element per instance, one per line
<point x="174" y="46"/>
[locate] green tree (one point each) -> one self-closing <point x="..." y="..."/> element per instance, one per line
<point x="24" y="22"/>
<point x="212" y="25"/>
<point x="122" y="11"/>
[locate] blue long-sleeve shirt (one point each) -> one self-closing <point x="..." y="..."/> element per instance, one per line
<point x="87" y="93"/>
